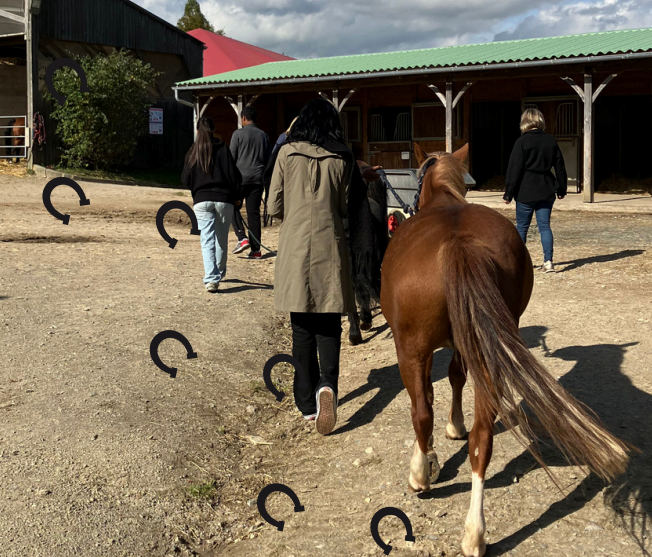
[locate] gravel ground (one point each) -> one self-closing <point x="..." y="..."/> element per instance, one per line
<point x="101" y="453"/>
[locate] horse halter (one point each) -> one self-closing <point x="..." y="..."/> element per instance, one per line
<point x="422" y="175"/>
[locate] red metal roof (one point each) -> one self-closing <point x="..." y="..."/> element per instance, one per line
<point x="225" y="55"/>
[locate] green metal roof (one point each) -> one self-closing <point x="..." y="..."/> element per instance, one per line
<point x="570" y="46"/>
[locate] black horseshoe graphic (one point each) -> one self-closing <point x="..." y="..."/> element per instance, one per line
<point x="168" y="207"/>
<point x="390" y="511"/>
<point x="49" y="188"/>
<point x="267" y="372"/>
<point x="265" y="493"/>
<point x="54" y="66"/>
<point x="156" y="341"/>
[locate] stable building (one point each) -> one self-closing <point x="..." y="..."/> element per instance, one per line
<point x="33" y="33"/>
<point x="595" y="91"/>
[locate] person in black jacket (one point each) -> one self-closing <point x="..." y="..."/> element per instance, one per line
<point x="531" y="182"/>
<point x="215" y="181"/>
<point x="250" y="149"/>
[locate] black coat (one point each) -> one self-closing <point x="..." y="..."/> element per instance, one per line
<point x="224" y="182"/>
<point x="529" y="178"/>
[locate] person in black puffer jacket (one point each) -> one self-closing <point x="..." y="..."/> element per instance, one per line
<point x="530" y="180"/>
<point x="216" y="184"/>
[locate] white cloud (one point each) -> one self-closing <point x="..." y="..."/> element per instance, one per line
<point x="583" y="17"/>
<point x="309" y="28"/>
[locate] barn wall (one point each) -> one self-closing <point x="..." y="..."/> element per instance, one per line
<point x="13" y="90"/>
<point x="118" y="23"/>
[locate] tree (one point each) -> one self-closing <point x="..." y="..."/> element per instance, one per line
<point x="193" y="19"/>
<point x="101" y="128"/>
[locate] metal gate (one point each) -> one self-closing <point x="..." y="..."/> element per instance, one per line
<point x="7" y="139"/>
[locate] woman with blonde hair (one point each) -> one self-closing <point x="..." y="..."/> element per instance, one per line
<point x="531" y="182"/>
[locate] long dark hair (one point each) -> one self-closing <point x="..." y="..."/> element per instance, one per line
<point x="201" y="152"/>
<point x="318" y="122"/>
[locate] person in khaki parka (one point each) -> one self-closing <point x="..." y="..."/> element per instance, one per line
<point x="315" y="185"/>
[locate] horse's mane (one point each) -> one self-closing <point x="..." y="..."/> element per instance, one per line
<point x="448" y="172"/>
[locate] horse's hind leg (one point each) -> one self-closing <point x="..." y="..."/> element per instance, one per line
<point x="415" y="372"/>
<point x="455" y="428"/>
<point x="481" y="441"/>
<point x="365" y="312"/>
<point x="355" y="336"/>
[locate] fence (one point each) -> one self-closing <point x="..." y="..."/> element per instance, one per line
<point x="8" y="150"/>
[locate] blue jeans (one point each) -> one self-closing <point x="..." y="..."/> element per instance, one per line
<point x="524" y="218"/>
<point x="214" y="220"/>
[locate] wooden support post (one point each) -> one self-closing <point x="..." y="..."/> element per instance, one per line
<point x="195" y="119"/>
<point x="449" y="116"/>
<point x="588" y="139"/>
<point x="365" y="127"/>
<point x="29" y="121"/>
<point x="336" y="98"/>
<point x="203" y="108"/>
<point x="588" y="97"/>
<point x="449" y="106"/>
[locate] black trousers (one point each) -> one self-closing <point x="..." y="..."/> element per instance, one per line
<point x="316" y="342"/>
<point x="253" y="198"/>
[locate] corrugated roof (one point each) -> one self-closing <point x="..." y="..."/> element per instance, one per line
<point x="570" y="46"/>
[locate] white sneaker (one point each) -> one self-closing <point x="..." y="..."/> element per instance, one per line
<point x="548" y="267"/>
<point x="212" y="287"/>
<point x="326" y="410"/>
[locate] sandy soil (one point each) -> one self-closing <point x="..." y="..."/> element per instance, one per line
<point x="101" y="453"/>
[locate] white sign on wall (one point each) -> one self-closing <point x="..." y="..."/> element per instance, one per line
<point x="156" y="121"/>
<point x="405" y="155"/>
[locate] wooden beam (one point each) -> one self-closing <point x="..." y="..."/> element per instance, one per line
<point x="449" y="116"/>
<point x="365" y="126"/>
<point x="345" y="100"/>
<point x="437" y="92"/>
<point x="603" y="85"/>
<point x="253" y="99"/>
<point x="13" y="17"/>
<point x="461" y="93"/>
<point x="203" y="108"/>
<point x="587" y="170"/>
<point x="575" y="86"/>
<point x="195" y="118"/>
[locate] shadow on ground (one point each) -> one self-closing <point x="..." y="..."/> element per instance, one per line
<point x="244" y="286"/>
<point x="572" y="265"/>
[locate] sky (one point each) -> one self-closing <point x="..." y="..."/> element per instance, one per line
<point x="317" y="28"/>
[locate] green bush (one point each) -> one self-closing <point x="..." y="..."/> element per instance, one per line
<point x="100" y="129"/>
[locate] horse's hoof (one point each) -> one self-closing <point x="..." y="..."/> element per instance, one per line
<point x="434" y="467"/>
<point x="355" y="339"/>
<point x="416" y="487"/>
<point x="365" y="326"/>
<point x="455" y="434"/>
<point x="473" y="549"/>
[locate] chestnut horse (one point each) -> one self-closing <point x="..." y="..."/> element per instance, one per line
<point x="458" y="275"/>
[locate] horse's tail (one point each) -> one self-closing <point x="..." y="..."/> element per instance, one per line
<point x="486" y="335"/>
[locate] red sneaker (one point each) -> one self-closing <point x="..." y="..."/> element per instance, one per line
<point x="254" y="255"/>
<point x="241" y="246"/>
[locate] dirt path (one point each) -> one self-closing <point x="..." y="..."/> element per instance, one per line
<point x="101" y="453"/>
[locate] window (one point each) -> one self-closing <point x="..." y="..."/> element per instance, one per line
<point x="390" y="124"/>
<point x="350" y="118"/>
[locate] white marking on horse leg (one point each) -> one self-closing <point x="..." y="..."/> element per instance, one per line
<point x="473" y="544"/>
<point x="419" y="470"/>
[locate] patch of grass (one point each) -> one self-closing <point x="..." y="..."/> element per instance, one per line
<point x="143" y="176"/>
<point x="221" y="430"/>
<point x="203" y="490"/>
<point x="260" y="387"/>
